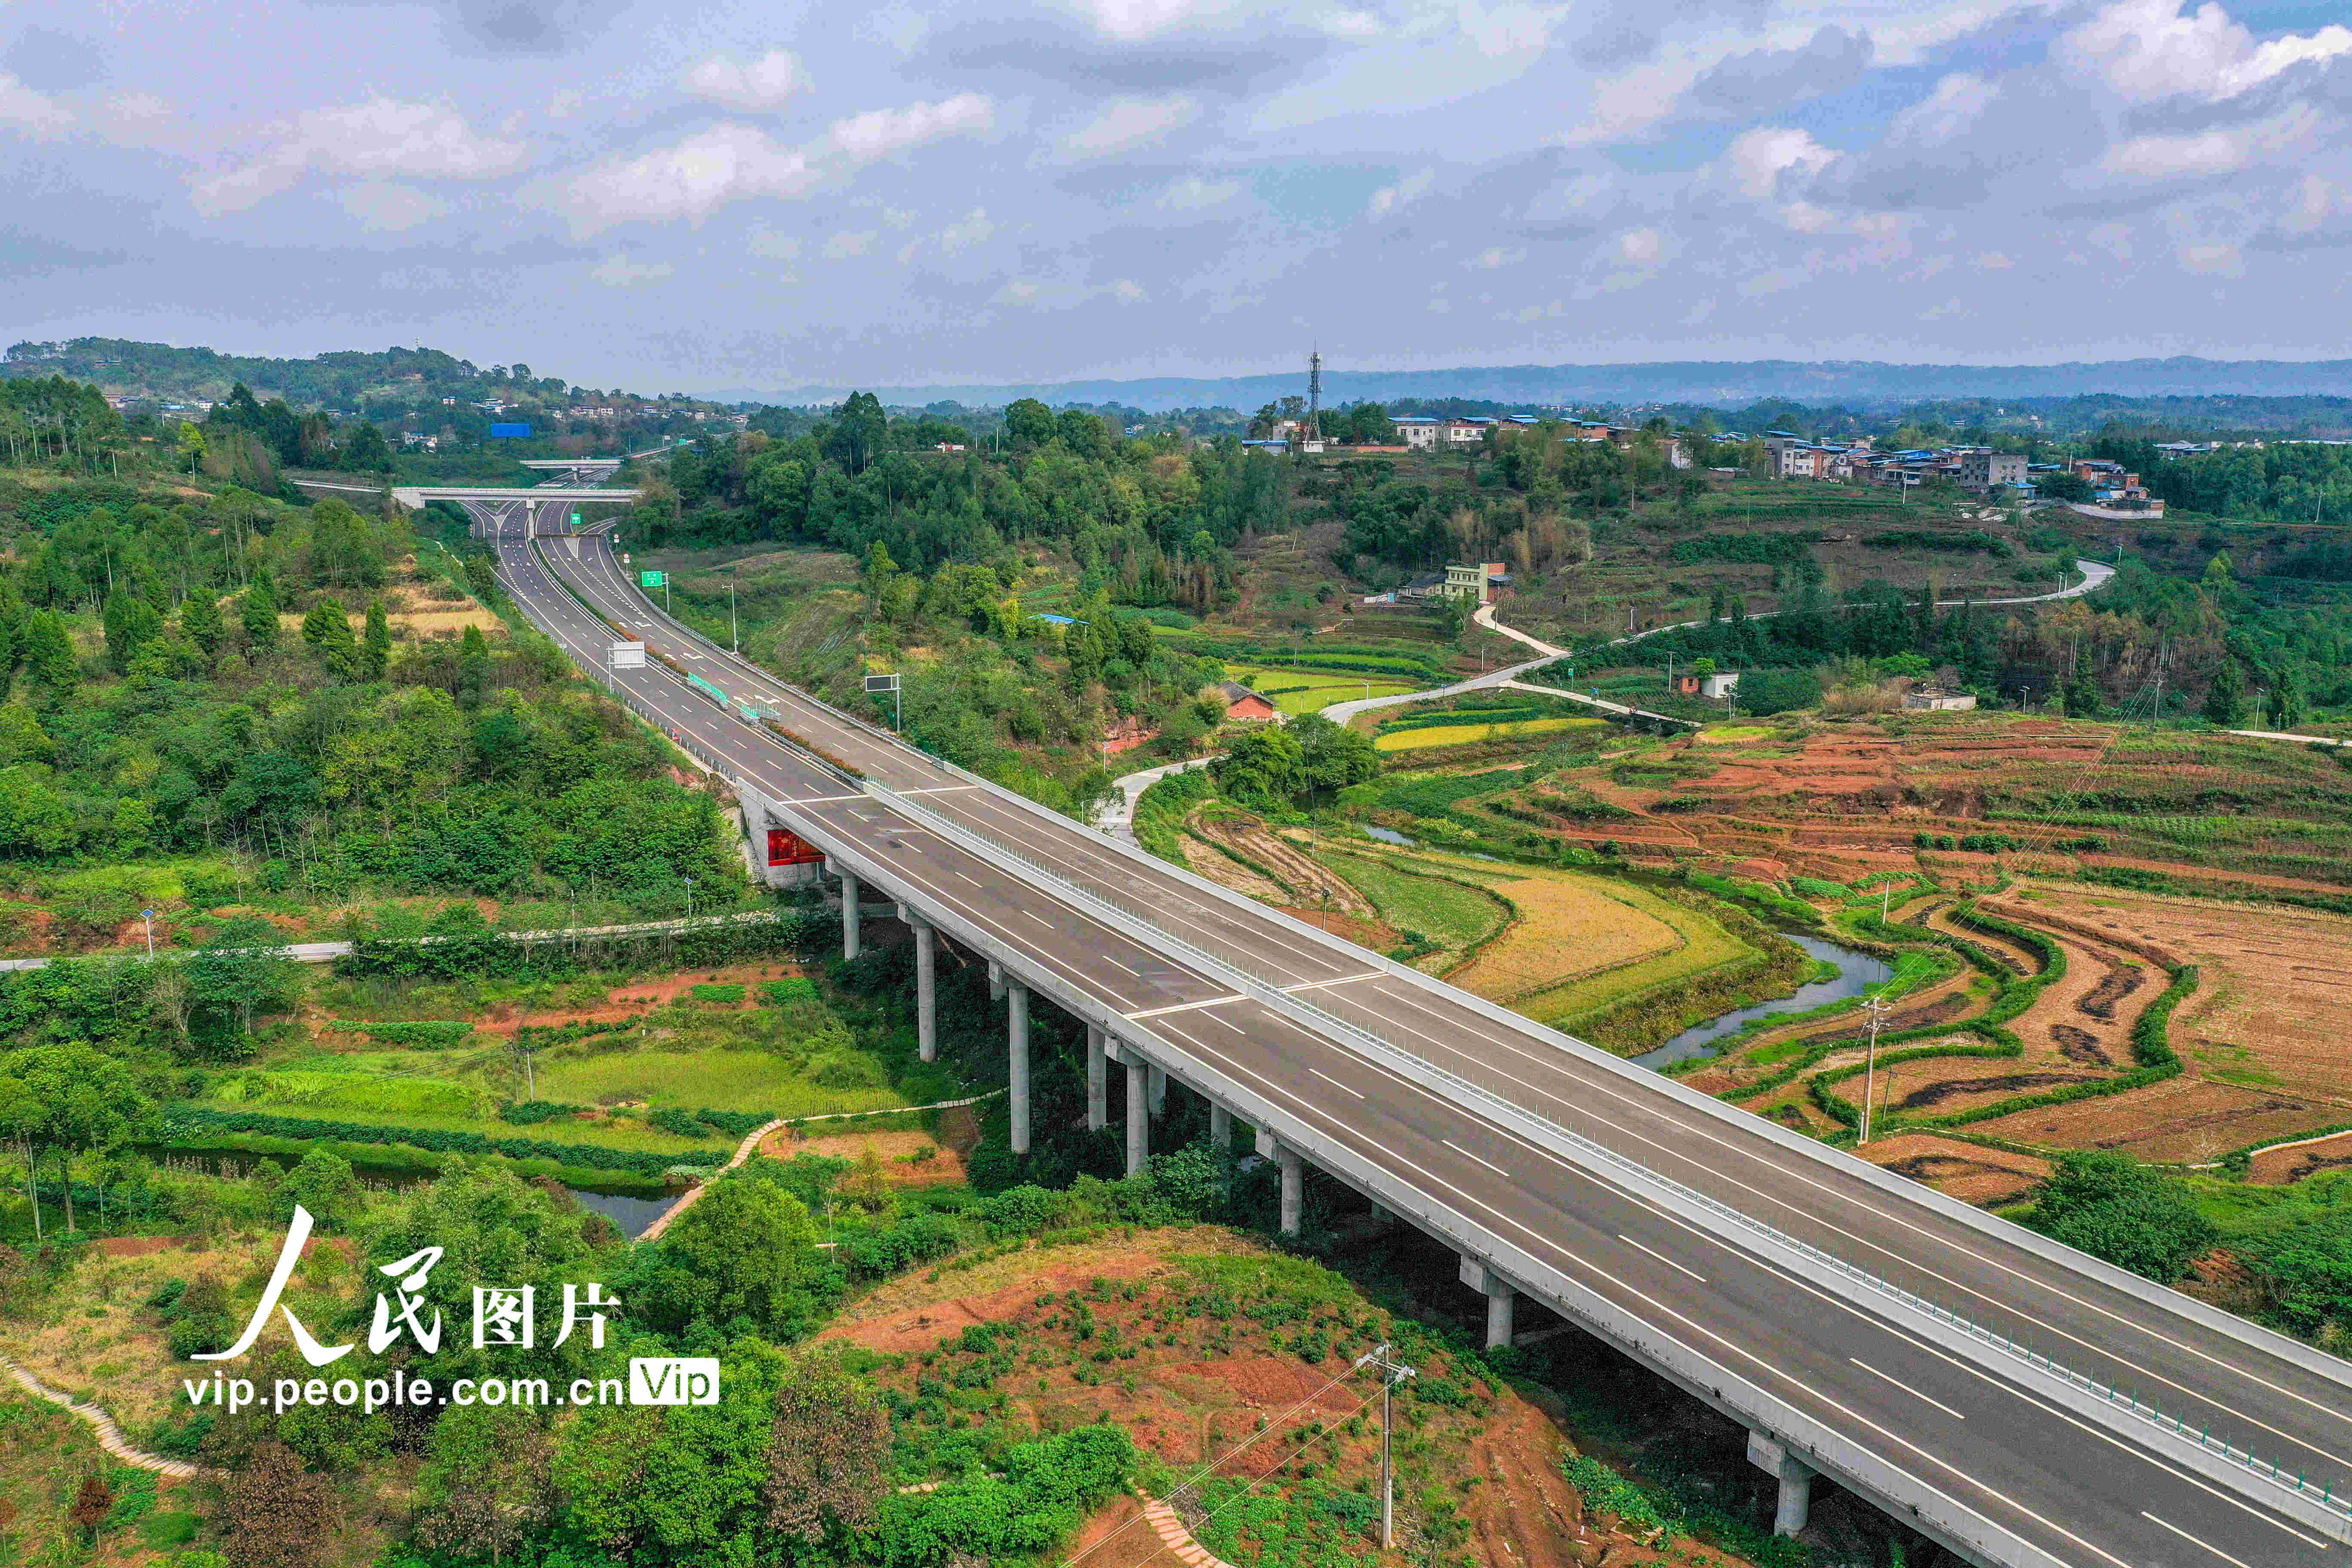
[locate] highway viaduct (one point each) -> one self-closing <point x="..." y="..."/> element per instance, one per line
<point x="2018" y="1402"/>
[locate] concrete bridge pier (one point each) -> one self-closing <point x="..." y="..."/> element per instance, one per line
<point x="926" y="1003"/>
<point x="995" y="981"/>
<point x="1097" y="1081"/>
<point x="1796" y="1478"/>
<point x="1158" y="1086"/>
<point x="1017" y="1020"/>
<point x="849" y="915"/>
<point x="1138" y="1114"/>
<point x="1294" y="1180"/>
<point x="1220" y="1129"/>
<point x="1501" y="1300"/>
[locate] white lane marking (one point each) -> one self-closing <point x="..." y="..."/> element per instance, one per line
<point x="1041" y="920"/>
<point x="1411" y="997"/>
<point x="1185" y="1007"/>
<point x="1106" y="958"/>
<point x="1334" y="1082"/>
<point x="1907" y="1388"/>
<point x="2192" y="1540"/>
<point x="1467" y="1155"/>
<point x="1902" y="1335"/>
<point x="975" y="882"/>
<point x="1342" y="980"/>
<point x="1768" y="1367"/>
<point x="1660" y="1257"/>
<point x="1417" y="1001"/>
<point x="819" y="799"/>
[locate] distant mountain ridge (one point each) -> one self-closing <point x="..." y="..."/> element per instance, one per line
<point x="1855" y="384"/>
<point x="346" y="378"/>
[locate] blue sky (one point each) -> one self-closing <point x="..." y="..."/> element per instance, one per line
<point x="767" y="196"/>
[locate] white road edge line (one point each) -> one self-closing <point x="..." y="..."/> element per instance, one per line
<point x="1335" y="1083"/>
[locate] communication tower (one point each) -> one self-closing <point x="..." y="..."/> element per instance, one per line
<point x="1315" y="397"/>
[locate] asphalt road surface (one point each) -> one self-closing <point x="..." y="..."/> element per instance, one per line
<point x="1957" y="1425"/>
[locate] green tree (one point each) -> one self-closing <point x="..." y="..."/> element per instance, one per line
<point x="745" y="1249"/>
<point x="860" y="430"/>
<point x="1332" y="756"/>
<point x="375" y="648"/>
<point x="473" y="668"/>
<point x="2225" y="699"/>
<point x="487" y="1486"/>
<point x="245" y="968"/>
<point x="2306" y="1272"/>
<point x="2113" y="1208"/>
<point x="200" y="616"/>
<point x="130" y="623"/>
<point x="1261" y="767"/>
<point x="257" y="613"/>
<point x="22" y="739"/>
<point x="328" y="629"/>
<point x="49" y="652"/>
<point x="80" y="1100"/>
<point x="325" y="1184"/>
<point x="1029" y="423"/>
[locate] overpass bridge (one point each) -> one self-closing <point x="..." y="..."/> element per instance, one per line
<point x="2020" y="1403"/>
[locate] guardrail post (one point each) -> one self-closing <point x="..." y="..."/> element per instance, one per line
<point x="1097" y="1075"/>
<point x="1017" y="1019"/>
<point x="926" y="1010"/>
<point x="1796" y="1478"/>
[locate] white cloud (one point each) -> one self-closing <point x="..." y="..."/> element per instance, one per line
<point x="1643" y="248"/>
<point x="1403" y="193"/>
<point x="31" y="113"/>
<point x="1033" y="293"/>
<point x="972" y="228"/>
<point x="621" y="272"/>
<point x="879" y="133"/>
<point x="2148" y="50"/>
<point x="381" y="136"/>
<point x="2219" y="260"/>
<point x="1127" y="124"/>
<point x="1495" y="258"/>
<point x="1130" y="21"/>
<point x="1758" y="158"/>
<point x="1959" y="101"/>
<point x="1193" y="194"/>
<point x="841" y="247"/>
<point x="775" y="246"/>
<point x="756" y="87"/>
<point x="1994" y="261"/>
<point x="732" y="162"/>
<point x="691" y="180"/>
<point x="2217" y="151"/>
<point x="389" y="208"/>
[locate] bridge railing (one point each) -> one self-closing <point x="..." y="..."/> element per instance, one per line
<point x="2104" y="1398"/>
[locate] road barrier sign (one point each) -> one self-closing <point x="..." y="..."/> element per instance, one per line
<point x="628" y="656"/>
<point x="653" y="579"/>
<point x="881" y="683"/>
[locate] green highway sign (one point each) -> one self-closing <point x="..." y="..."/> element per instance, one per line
<point x="653" y="579"/>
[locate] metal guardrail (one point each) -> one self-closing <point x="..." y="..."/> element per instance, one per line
<point x="1272" y="993"/>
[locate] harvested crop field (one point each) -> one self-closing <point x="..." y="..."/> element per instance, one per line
<point x="1968" y="1172"/>
<point x="1566" y="927"/>
<point x="2274" y="1010"/>
<point x="2182" y="1121"/>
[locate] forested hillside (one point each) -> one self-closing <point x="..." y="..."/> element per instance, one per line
<point x="217" y="700"/>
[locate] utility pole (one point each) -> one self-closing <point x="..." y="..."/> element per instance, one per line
<point x="149" y="916"/>
<point x="734" y="633"/>
<point x="1392" y="1374"/>
<point x="690" y="898"/>
<point x="1876" y="1007"/>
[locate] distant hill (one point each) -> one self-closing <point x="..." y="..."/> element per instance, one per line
<point x="401" y="376"/>
<point x="1854" y="383"/>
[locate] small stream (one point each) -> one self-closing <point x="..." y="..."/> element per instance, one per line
<point x="1856" y="973"/>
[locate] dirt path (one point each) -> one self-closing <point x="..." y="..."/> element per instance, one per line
<point x="109" y="1435"/>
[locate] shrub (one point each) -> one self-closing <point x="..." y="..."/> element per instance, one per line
<point x="2115" y="1208"/>
<point x="530" y="1112"/>
<point x="729" y="994"/>
<point x="793" y="988"/>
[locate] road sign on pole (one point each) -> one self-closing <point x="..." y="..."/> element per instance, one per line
<point x="875" y="684"/>
<point x="653" y="579"/>
<point x="628" y="656"/>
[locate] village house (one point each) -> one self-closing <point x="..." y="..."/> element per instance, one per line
<point x="1245" y="705"/>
